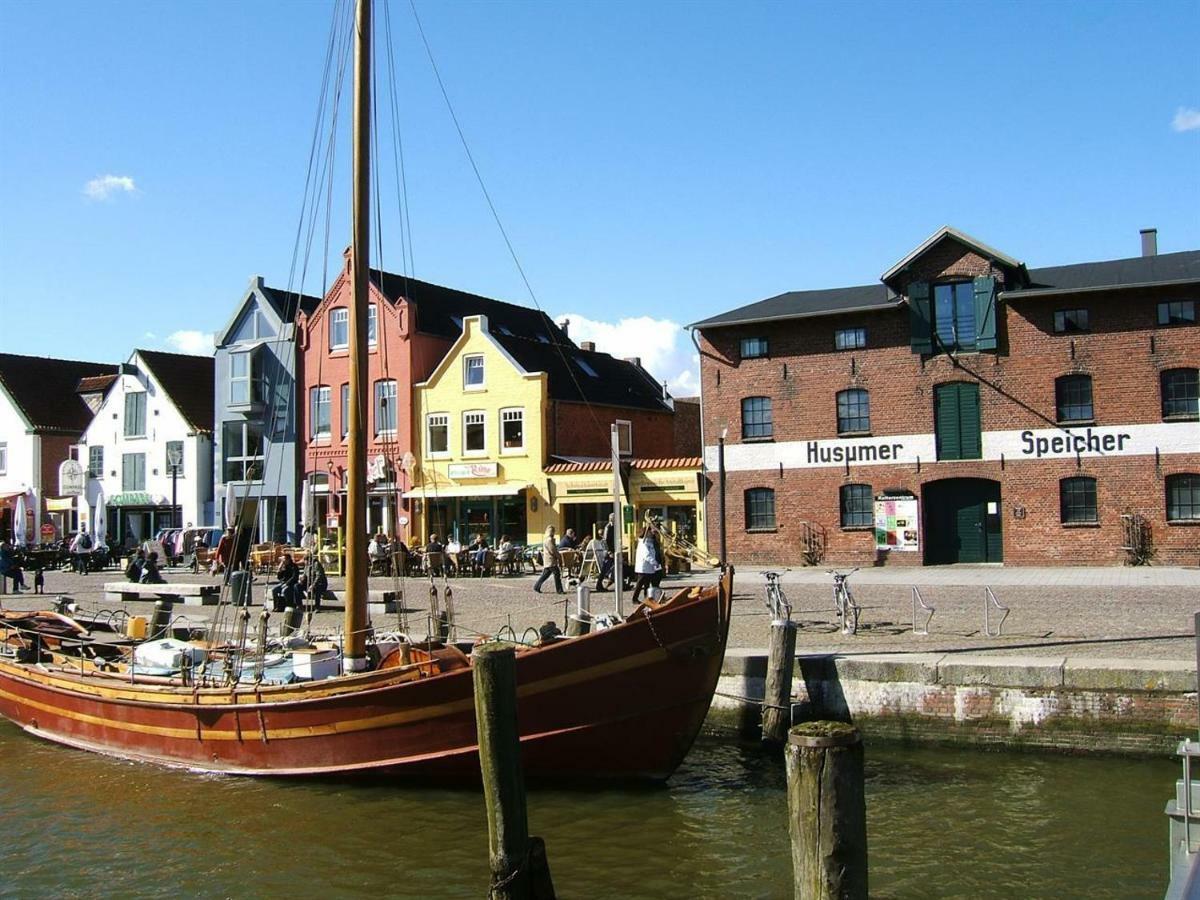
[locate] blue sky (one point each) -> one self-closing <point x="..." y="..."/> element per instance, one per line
<point x="653" y="163"/>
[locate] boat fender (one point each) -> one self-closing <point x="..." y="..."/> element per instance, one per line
<point x="604" y="622"/>
<point x="548" y="633"/>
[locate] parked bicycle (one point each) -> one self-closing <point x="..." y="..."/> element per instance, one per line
<point x="777" y="601"/>
<point x="847" y="608"/>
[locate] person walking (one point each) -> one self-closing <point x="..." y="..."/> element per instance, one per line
<point x="647" y="563"/>
<point x="609" y="538"/>
<point x="81" y="551"/>
<point x="551" y="563"/>
<point x="224" y="552"/>
<point x="10" y="568"/>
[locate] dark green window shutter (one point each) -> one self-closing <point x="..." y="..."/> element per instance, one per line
<point x="985" y="313"/>
<point x="945" y="417"/>
<point x="919" y="317"/>
<point x="969" y="422"/>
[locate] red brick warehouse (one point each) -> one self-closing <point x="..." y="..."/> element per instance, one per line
<point x="963" y="409"/>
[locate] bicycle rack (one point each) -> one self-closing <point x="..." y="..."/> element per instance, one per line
<point x="918" y="602"/>
<point x="989" y="600"/>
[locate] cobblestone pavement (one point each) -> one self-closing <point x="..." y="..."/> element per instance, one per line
<point x="1075" y="612"/>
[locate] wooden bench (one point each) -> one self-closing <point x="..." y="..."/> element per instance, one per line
<point x="188" y="594"/>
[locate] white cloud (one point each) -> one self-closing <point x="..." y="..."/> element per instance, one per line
<point x="664" y="347"/>
<point x="1186" y="119"/>
<point x="106" y="185"/>
<point x="197" y="343"/>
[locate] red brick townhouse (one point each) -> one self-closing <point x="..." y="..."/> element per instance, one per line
<point x="964" y="409"/>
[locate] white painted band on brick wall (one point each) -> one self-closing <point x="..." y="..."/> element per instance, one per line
<point x="903" y="449"/>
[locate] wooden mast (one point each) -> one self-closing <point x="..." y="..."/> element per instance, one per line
<point x="355" y="648"/>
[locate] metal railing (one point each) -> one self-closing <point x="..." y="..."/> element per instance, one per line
<point x="990" y="602"/>
<point x="918" y="603"/>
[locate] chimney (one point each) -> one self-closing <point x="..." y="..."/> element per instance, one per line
<point x="636" y="360"/>
<point x="590" y="346"/>
<point x="565" y="325"/>
<point x="1149" y="242"/>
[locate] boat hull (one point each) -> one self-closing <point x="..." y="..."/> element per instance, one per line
<point x="625" y="703"/>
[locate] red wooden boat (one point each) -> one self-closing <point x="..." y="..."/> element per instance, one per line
<point x="626" y="702"/>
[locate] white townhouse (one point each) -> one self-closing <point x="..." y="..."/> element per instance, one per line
<point x="148" y="450"/>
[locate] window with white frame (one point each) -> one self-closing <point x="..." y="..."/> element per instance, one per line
<point x="624" y="437"/>
<point x="437" y="434"/>
<point x="242" y="453"/>
<point x="345" y="410"/>
<point x="3" y="457"/>
<point x="372" y="325"/>
<point x="318" y="412"/>
<point x="473" y="372"/>
<point x="135" y="414"/>
<point x="96" y="462"/>
<point x="385" y="407"/>
<point x="474" y="432"/>
<point x="512" y="430"/>
<point x="245" y="385"/>
<point x="339" y="328"/>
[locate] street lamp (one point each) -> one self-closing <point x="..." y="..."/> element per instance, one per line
<point x="174" y="461"/>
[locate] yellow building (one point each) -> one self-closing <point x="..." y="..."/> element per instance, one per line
<point x="513" y="435"/>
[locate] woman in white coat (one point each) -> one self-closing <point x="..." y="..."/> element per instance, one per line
<point x="647" y="563"/>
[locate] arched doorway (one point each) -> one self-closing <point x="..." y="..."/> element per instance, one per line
<point x="962" y="521"/>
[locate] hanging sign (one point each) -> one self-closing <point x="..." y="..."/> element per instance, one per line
<point x="896" y="526"/>
<point x="49" y="532"/>
<point x="333" y="523"/>
<point x="460" y="471"/>
<point x="70" y="478"/>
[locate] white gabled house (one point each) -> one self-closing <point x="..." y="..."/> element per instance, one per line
<point x="158" y="409"/>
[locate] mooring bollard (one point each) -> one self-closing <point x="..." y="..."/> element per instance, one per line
<point x="827" y="811"/>
<point x="777" y="695"/>
<point x="510" y="848"/>
<point x="581" y="623"/>
<point x="239" y="588"/>
<point x="161" y="619"/>
<point x="292" y="617"/>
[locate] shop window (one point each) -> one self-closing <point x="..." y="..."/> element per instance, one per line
<point x="624" y="437"/>
<point x="1071" y="321"/>
<point x="1177" y="312"/>
<point x="1180" y="394"/>
<point x="850" y="338"/>
<point x="957" y="420"/>
<point x="512" y="430"/>
<point x="95" y="462"/>
<point x="133" y="471"/>
<point x="339" y="328"/>
<point x="345" y="410"/>
<point x="1073" y="398"/>
<point x="853" y="411"/>
<point x="760" y="509"/>
<point x="756" y="418"/>
<point x="955" y="316"/>
<point x="437" y="434"/>
<point x="242" y="453"/>
<point x="754" y="348"/>
<point x="319" y="412"/>
<point x="1183" y="498"/>
<point x="473" y="372"/>
<point x="135" y="414"/>
<point x="475" y="433"/>
<point x="858" y="507"/>
<point x="1078" y="501"/>
<point x="385" y="407"/>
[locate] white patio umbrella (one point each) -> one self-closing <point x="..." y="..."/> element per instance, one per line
<point x="19" y="532"/>
<point x="305" y="505"/>
<point x="230" y="505"/>
<point x="100" y="522"/>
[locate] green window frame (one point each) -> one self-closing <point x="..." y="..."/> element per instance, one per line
<point x="1180" y="394"/>
<point x="1183" y="497"/>
<point x="857" y="506"/>
<point x="1073" y="398"/>
<point x="853" y="411"/>
<point x="135" y="414"/>
<point x="957" y="420"/>
<point x="953" y="316"/>
<point x="133" y="471"/>
<point x="757" y="422"/>
<point x="760" y="509"/>
<point x="1077" y="501"/>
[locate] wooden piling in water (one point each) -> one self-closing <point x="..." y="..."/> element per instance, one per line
<point x="777" y="695"/>
<point x="160" y="620"/>
<point x="510" y="849"/>
<point x="827" y="811"/>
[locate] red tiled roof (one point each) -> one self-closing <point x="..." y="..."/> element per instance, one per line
<point x="603" y="465"/>
<point x="93" y="383"/>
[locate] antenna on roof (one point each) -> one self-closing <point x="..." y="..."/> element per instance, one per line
<point x="565" y="326"/>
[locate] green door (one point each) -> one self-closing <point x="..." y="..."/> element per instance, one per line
<point x="957" y="420"/>
<point x="962" y="521"/>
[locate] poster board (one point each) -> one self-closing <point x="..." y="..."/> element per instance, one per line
<point x="897" y="526"/>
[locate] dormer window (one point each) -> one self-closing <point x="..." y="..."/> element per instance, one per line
<point x="956" y="316"/>
<point x="473" y="372"/>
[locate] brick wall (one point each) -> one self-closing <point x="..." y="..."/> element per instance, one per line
<point x="580" y="429"/>
<point x="1124" y="354"/>
<point x="687" y="426"/>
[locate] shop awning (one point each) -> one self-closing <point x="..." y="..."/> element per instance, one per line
<point x="60" y="504"/>
<point x="132" y="498"/>
<point x="466" y="490"/>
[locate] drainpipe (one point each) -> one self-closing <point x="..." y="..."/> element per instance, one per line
<point x="703" y="454"/>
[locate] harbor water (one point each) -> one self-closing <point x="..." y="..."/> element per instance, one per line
<point x="942" y="823"/>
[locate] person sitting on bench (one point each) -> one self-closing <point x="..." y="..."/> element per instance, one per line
<point x="285" y="580"/>
<point x="150" y="573"/>
<point x="133" y="571"/>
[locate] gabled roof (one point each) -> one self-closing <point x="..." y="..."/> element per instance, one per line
<point x="287" y="304"/>
<point x="1167" y="268"/>
<point x="440" y="310"/>
<point x="800" y="304"/>
<point x="615" y="382"/>
<point x="96" y="384"/>
<point x="948" y="233"/>
<point x="190" y="383"/>
<point x="45" y="390"/>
